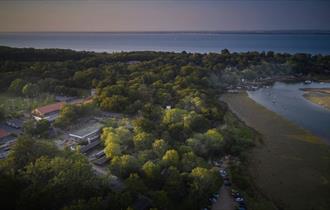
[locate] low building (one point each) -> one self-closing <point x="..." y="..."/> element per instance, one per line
<point x="7" y="140"/>
<point x="87" y="134"/>
<point x="101" y="161"/>
<point x="49" y="112"/>
<point x="90" y="146"/>
<point x="5" y="136"/>
<point x="15" y="123"/>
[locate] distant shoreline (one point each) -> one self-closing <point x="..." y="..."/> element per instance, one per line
<point x="272" y="32"/>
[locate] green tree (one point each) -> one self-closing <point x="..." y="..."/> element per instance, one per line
<point x="116" y="103"/>
<point x="115" y="140"/>
<point x="204" y="182"/>
<point x="143" y="140"/>
<point x="16" y="86"/>
<point x="151" y="170"/>
<point x="207" y="144"/>
<point x="124" y="165"/>
<point x="112" y="149"/>
<point x="189" y="161"/>
<point x="172" y="116"/>
<point x="174" y="185"/>
<point x="135" y="184"/>
<point x="159" y="147"/>
<point x="30" y="90"/>
<point x="46" y="177"/>
<point x="171" y="157"/>
<point x="71" y="113"/>
<point x="160" y="199"/>
<point x="27" y="150"/>
<point x="95" y="203"/>
<point x="37" y="128"/>
<point x="195" y="122"/>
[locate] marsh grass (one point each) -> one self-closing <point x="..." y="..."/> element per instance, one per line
<point x="291" y="166"/>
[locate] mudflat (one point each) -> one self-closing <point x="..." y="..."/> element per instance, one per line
<point x="320" y="96"/>
<point x="291" y="166"/>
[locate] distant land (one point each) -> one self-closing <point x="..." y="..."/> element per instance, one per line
<point x="302" y="31"/>
<point x="282" y="41"/>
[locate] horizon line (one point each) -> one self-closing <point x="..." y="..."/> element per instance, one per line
<point x="187" y="31"/>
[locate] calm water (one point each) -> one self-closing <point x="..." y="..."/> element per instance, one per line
<point x="288" y="101"/>
<point x="177" y="42"/>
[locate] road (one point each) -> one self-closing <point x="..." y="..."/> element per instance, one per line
<point x="225" y="201"/>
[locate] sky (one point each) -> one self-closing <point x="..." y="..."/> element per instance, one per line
<point x="163" y="15"/>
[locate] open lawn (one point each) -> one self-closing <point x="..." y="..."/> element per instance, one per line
<point x="16" y="105"/>
<point x="291" y="166"/>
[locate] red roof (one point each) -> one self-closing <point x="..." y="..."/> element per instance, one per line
<point x="50" y="108"/>
<point x="3" y="133"/>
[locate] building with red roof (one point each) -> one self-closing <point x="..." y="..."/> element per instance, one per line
<point x="49" y="112"/>
<point x="5" y="136"/>
<point x="3" y="133"/>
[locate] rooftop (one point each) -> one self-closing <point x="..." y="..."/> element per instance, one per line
<point x="50" y="108"/>
<point x="85" y="131"/>
<point x="3" y="133"/>
<point x="15" y="121"/>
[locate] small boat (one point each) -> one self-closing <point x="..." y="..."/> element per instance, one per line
<point x="308" y="82"/>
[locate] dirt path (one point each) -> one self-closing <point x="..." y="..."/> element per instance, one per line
<point x="292" y="167"/>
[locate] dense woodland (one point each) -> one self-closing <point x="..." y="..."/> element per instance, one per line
<point x="164" y="158"/>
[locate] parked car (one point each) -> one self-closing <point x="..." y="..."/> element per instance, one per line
<point x="215" y="195"/>
<point x="239" y="199"/>
<point x="223" y="173"/>
<point x="241" y="204"/>
<point x="227" y="183"/>
<point x="237" y="195"/>
<point x="212" y="200"/>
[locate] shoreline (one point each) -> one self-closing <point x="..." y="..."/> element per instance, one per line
<point x="290" y="163"/>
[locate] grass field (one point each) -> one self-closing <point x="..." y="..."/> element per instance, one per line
<point x="15" y="105"/>
<point x="291" y="167"/>
<point x="318" y="96"/>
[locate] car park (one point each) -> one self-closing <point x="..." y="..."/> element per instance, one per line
<point x="223" y="173"/>
<point x="212" y="200"/>
<point x="216" y="195"/>
<point x="239" y="199"/>
<point x="227" y="183"/>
